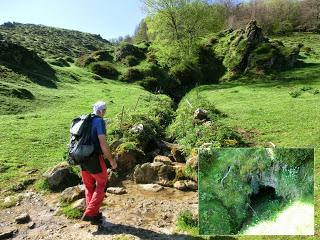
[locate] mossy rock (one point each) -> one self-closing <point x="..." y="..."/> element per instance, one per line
<point x="245" y="51"/>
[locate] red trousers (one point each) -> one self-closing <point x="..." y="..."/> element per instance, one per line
<point x="94" y="188"/>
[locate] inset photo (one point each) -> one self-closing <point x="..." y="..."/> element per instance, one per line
<point x="256" y="191"/>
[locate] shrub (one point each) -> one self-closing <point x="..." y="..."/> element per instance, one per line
<point x="132" y="75"/>
<point x="295" y="93"/>
<point x="104" y="69"/>
<point x="125" y="49"/>
<point x="187" y="222"/>
<point x="187" y="73"/>
<point x="97" y="56"/>
<point x="149" y="83"/>
<point x="192" y="133"/>
<point x="130" y="61"/>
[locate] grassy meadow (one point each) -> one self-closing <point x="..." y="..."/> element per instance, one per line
<point x="267" y="108"/>
<point x="37" y="137"/>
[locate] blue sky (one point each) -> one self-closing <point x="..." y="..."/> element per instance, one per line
<point x="109" y="18"/>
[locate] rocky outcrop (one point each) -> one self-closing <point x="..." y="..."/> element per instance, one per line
<point x="250" y="51"/>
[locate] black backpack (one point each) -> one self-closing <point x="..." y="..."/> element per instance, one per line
<point x="80" y="148"/>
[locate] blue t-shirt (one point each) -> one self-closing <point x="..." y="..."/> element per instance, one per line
<point x="98" y="127"/>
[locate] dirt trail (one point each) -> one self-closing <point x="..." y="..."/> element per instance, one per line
<point x="138" y="214"/>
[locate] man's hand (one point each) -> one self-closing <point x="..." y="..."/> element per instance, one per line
<point x="113" y="164"/>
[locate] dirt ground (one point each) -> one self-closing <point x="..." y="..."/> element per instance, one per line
<point x="138" y="214"/>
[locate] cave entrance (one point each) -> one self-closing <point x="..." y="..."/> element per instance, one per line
<point x="264" y="194"/>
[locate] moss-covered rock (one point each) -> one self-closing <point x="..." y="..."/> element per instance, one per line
<point x="248" y="50"/>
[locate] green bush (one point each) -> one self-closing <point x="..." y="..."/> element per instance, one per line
<point x="187" y="222"/>
<point x="132" y="75"/>
<point x="295" y="93"/>
<point x="104" y="69"/>
<point x="126" y="49"/>
<point x="192" y="133"/>
<point x="130" y="61"/>
<point x="187" y="73"/>
<point x="97" y="56"/>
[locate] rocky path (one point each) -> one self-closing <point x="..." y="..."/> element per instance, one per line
<point x="138" y="214"/>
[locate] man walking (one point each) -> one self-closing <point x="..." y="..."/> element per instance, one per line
<point x="94" y="172"/>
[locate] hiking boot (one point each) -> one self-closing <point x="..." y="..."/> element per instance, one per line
<point x="95" y="220"/>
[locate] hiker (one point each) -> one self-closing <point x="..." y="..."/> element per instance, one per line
<point x="94" y="172"/>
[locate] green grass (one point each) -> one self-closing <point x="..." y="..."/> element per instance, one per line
<point x="71" y="212"/>
<point x="186" y="222"/>
<point x="37" y="137"/>
<point x="264" y="107"/>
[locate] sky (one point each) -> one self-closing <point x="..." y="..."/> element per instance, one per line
<point x="109" y="18"/>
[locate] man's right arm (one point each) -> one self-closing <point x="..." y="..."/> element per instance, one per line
<point x="106" y="151"/>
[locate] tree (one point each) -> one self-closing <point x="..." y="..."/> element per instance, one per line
<point x="181" y="23"/>
<point x="141" y="32"/>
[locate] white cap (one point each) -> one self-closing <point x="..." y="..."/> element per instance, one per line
<point x="99" y="106"/>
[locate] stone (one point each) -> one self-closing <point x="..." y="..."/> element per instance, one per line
<point x="80" y="204"/>
<point x="8" y="234"/>
<point x="163" y="159"/>
<point x="151" y="187"/>
<point x="31" y="225"/>
<point x="61" y="176"/>
<point x="126" y="161"/>
<point x="137" y="128"/>
<point x="185" y="185"/>
<point x="193" y="162"/>
<point x="23" y="218"/>
<point x="113" y="178"/>
<point x="200" y="114"/>
<point x="116" y="190"/>
<point x="178" y="155"/>
<point x="71" y="194"/>
<point x="166" y="172"/>
<point x="145" y="173"/>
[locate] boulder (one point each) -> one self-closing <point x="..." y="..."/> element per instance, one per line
<point x="61" y="177"/>
<point x="186" y="185"/>
<point x="79" y="204"/>
<point x="178" y="155"/>
<point x="163" y="159"/>
<point x="145" y="173"/>
<point x="126" y="161"/>
<point x="116" y="190"/>
<point x="193" y="162"/>
<point x="71" y="194"/>
<point x="113" y="178"/>
<point x="167" y="173"/>
<point x="200" y="114"/>
<point x="23" y="218"/>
